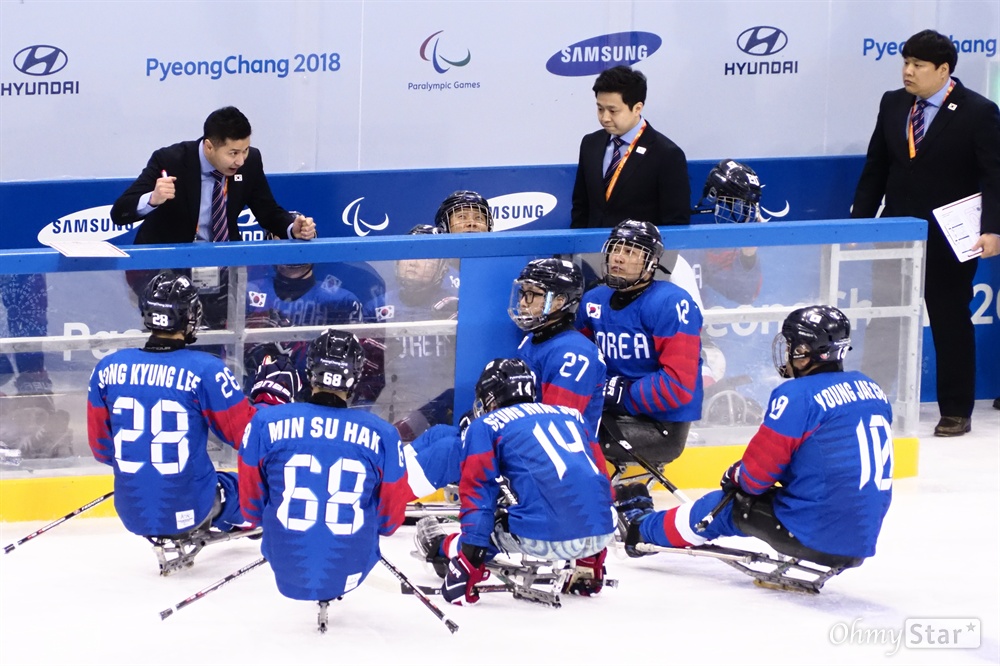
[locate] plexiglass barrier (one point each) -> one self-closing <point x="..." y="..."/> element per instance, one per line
<point x="432" y="310"/>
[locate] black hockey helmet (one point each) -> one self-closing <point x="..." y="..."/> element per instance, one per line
<point x="633" y="234"/>
<point x="556" y="277"/>
<point x="504" y="382"/>
<point x="424" y="230"/>
<point x="821" y="333"/>
<point x="170" y="304"/>
<point x="459" y="201"/>
<point x="335" y="361"/>
<point x="734" y="189"/>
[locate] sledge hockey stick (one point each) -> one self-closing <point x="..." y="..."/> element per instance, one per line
<point x="419" y="594"/>
<point x="88" y="505"/>
<point x="616" y="434"/>
<point x="703" y="524"/>
<point x="164" y="614"/>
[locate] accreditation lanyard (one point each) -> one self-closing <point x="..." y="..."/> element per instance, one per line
<point x="631" y="147"/>
<point x="909" y="125"/>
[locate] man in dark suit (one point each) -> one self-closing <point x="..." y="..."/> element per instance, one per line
<point x="628" y="170"/>
<point x="173" y="194"/>
<point x="936" y="142"/>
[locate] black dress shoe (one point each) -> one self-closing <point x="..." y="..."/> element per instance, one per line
<point x="952" y="426"/>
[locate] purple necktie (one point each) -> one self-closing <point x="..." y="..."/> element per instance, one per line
<point x="918" y="123"/>
<point x="220" y="227"/>
<point x="616" y="157"/>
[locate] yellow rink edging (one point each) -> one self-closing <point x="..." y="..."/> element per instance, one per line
<point x="49" y="498"/>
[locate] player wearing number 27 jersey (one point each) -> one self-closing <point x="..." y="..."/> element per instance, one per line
<point x="324" y="481"/>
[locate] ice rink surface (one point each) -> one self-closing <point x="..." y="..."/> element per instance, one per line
<point x="88" y="592"/>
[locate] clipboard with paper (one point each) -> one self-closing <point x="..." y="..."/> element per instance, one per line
<point x="959" y="221"/>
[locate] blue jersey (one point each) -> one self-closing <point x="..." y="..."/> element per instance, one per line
<point x="827" y="438"/>
<point x="326" y="303"/>
<point x="549" y="461"/>
<point x="569" y="371"/>
<point x="654" y="341"/>
<point x="148" y="416"/>
<point x="324" y="482"/>
<point x="418" y="368"/>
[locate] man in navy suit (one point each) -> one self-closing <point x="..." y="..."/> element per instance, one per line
<point x="936" y="142"/>
<point x="628" y="170"/>
<point x="173" y="194"/>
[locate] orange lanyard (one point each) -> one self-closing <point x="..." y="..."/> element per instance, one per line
<point x="909" y="125"/>
<point x="614" y="177"/>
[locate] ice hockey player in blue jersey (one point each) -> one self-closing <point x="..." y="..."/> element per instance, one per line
<point x="323" y="480"/>
<point x="295" y="294"/>
<point x="560" y="497"/>
<point x="826" y="439"/>
<point x="149" y="412"/>
<point x="650" y="334"/>
<point x="569" y="369"/>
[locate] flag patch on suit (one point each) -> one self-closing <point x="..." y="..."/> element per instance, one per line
<point x="257" y="298"/>
<point x="594" y="310"/>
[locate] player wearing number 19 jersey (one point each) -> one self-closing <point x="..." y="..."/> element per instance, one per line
<point x="324" y="481"/>
<point x="826" y="438"/>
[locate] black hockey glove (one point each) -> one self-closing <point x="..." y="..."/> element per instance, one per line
<point x="731" y="478"/>
<point x="276" y="382"/>
<point x="615" y="394"/>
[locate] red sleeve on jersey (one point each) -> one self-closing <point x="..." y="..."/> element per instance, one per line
<point x="99" y="433"/>
<point x="392" y="504"/>
<point x="251" y="492"/>
<point x="230" y="424"/>
<point x="478" y="491"/>
<point x="765" y="459"/>
<point x="676" y="381"/>
<point x="559" y="395"/>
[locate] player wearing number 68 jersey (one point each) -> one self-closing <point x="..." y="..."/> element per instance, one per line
<point x="149" y="411"/>
<point x="324" y="481"/>
<point x="826" y="438"/>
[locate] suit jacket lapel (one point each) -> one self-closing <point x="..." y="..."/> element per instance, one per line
<point x="635" y="159"/>
<point x="943" y="117"/>
<point x="192" y="172"/>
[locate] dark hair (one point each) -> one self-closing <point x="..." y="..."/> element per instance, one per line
<point x="933" y="47"/>
<point x="225" y="124"/>
<point x="628" y="82"/>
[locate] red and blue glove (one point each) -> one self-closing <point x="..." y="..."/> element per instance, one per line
<point x="459" y="586"/>
<point x="730" y="481"/>
<point x="276" y="382"/>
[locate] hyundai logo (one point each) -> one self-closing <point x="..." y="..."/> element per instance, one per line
<point x="40" y="60"/>
<point x="763" y="40"/>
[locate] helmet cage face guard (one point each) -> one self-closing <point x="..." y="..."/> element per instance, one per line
<point x="427" y="275"/>
<point x="735" y="210"/>
<point x="461" y="201"/>
<point x="615" y="245"/>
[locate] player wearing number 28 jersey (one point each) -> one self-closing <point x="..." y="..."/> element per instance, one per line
<point x="324" y="481"/>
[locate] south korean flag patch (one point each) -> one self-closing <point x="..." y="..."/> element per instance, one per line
<point x="385" y="312"/>
<point x="594" y="310"/>
<point x="257" y="298"/>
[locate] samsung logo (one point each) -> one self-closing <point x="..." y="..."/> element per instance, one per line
<point x="92" y="224"/>
<point x="762" y="40"/>
<point x="40" y="60"/>
<point x="514" y="210"/>
<point x="594" y="55"/>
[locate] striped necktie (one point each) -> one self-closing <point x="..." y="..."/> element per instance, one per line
<point x="918" y="123"/>
<point x="220" y="226"/>
<point x="616" y="157"/>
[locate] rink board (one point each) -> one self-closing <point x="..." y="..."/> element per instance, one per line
<point x="53" y="497"/>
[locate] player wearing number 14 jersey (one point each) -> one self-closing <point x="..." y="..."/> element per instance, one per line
<point x="826" y="438"/>
<point x="324" y="481"/>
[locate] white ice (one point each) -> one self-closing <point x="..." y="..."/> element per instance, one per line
<point x="88" y="592"/>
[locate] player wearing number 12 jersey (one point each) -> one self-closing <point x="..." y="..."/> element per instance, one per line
<point x="324" y="481"/>
<point x="826" y="438"/>
<point x="149" y="411"/>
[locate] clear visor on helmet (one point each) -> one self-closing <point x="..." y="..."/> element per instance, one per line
<point x="626" y="263"/>
<point x="732" y="209"/>
<point x="530" y="304"/>
<point x="779" y="355"/>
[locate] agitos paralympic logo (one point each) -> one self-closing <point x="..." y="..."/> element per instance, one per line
<point x="431" y="44"/>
